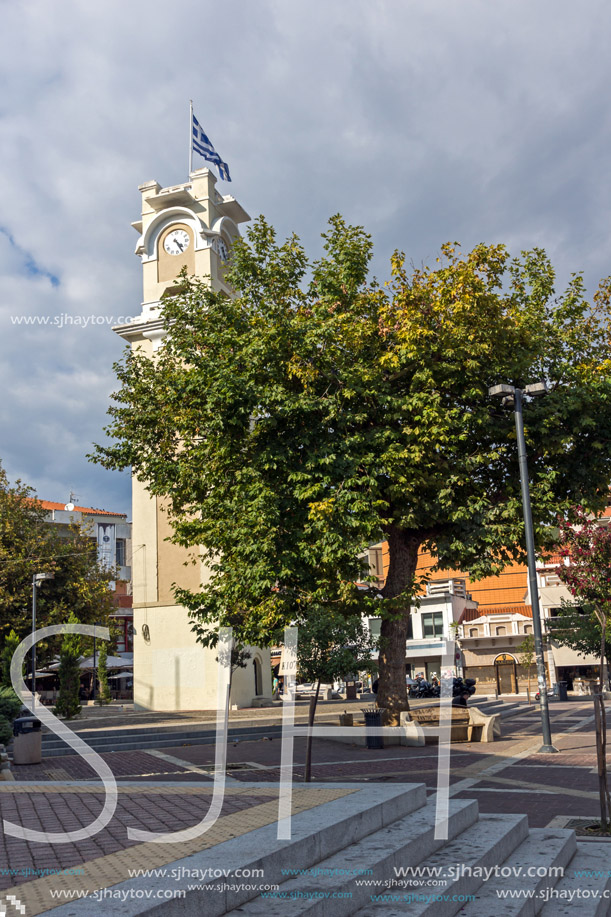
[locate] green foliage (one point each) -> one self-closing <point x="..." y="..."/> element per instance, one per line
<point x="526" y="649"/>
<point x="585" y="545"/>
<point x="585" y="623"/>
<point x="579" y="628"/>
<point x="67" y="704"/>
<point x="10" y="704"/>
<point x="104" y="691"/>
<point x="10" y="707"/>
<point x="296" y="423"/>
<point x="331" y="646"/>
<point x="11" y="643"/>
<point x="28" y="545"/>
<point x="527" y="657"/>
<point x="6" y="731"/>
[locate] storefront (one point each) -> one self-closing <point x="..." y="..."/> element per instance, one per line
<point x="506" y="673"/>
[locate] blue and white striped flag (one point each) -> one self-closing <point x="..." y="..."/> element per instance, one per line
<point x="202" y="145"/>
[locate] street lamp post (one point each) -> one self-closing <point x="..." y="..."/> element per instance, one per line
<point x="95" y="665"/>
<point x="37" y="580"/>
<point x="513" y="398"/>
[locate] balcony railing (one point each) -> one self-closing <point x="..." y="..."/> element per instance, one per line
<point x="451" y="586"/>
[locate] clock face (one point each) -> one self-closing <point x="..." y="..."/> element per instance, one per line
<point x="176" y="242"/>
<point x="223" y="250"/>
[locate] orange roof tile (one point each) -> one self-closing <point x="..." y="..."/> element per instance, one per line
<point x="50" y="505"/>
<point x="471" y="614"/>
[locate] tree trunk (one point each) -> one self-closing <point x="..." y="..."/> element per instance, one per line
<point x="528" y="685"/>
<point x="392" y="694"/>
<point x="601" y="732"/>
<point x="307" y="773"/>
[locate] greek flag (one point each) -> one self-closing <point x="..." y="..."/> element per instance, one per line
<point x="202" y="145"/>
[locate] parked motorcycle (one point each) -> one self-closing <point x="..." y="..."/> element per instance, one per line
<point x="551" y="692"/>
<point x="424" y="689"/>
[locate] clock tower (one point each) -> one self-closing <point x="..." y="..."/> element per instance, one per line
<point x="190" y="225"/>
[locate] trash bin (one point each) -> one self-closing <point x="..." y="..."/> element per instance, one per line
<point x="373" y="717"/>
<point x="27" y="742"/>
<point x="350" y="690"/>
<point x="562" y="690"/>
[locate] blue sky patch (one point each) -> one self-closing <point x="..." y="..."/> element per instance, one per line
<point x="30" y="265"/>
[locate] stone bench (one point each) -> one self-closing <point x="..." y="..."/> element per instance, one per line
<point x="469" y="724"/>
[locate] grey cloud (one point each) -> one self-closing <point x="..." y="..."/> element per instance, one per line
<point x="425" y="122"/>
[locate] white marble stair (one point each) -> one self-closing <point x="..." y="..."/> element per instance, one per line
<point x="586" y="880"/>
<point x="546" y="851"/>
<point x="407" y="840"/>
<point x="484" y="845"/>
<point x="359" y="856"/>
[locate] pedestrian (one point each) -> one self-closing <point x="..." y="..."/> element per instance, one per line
<point x="461" y="700"/>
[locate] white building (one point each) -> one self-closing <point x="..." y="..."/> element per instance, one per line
<point x="432" y="622"/>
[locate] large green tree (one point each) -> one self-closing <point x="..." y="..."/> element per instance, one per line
<point x="316" y="412"/>
<point x="29" y="544"/>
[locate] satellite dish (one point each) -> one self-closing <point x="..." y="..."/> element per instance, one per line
<point x="69" y="507"/>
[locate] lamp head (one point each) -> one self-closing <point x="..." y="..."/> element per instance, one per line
<point x="537" y="388"/>
<point x="39" y="577"/>
<point x="501" y="391"/>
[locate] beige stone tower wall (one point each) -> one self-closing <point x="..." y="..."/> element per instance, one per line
<point x="171" y="671"/>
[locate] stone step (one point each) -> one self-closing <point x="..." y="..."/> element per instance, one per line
<point x="53" y="747"/>
<point x="491" y="706"/>
<point x="514" y="893"/>
<point x="502" y="707"/>
<point x="378" y="829"/>
<point x="317" y="834"/>
<point x="488" y="844"/>
<point x="586" y="879"/>
<point x="333" y="890"/>
<point x="126" y="734"/>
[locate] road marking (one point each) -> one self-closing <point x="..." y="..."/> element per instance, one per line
<point x="485" y="772"/>
<point x="205" y="770"/>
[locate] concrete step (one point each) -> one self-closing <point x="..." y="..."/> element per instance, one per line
<point x="488" y="844"/>
<point x="376" y="830"/>
<point x="502" y="707"/>
<point x="109" y="742"/>
<point x="317" y="834"/>
<point x="513" y="892"/>
<point x="93" y="735"/>
<point x="332" y="890"/>
<point x="490" y="706"/>
<point x="586" y="879"/>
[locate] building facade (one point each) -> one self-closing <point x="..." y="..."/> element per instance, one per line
<point x="492" y="626"/>
<point x="432" y="624"/>
<point x="113" y="536"/>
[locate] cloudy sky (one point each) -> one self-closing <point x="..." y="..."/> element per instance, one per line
<point x="423" y="120"/>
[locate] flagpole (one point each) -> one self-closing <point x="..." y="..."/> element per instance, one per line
<point x="190" y="137"/>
